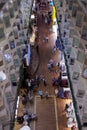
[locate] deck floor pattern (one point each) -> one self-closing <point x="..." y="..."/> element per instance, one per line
<point x="45" y="109"/>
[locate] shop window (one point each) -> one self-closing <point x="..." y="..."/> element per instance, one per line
<point x="7" y="21"/>
<point x="15" y="6"/>
<point x="72" y="32"/>
<point x="1" y="63"/>
<point x="70" y="4"/>
<point x="70" y="23"/>
<point x="10" y="34"/>
<point x="11" y="67"/>
<point x="75" y="42"/>
<point x="68" y="51"/>
<point x="80" y="93"/>
<point x="9" y="96"/>
<point x="19" y="52"/>
<point x="11" y="11"/>
<point x="81" y="46"/>
<point x="15" y="31"/>
<point x="20" y="42"/>
<point x="65" y="17"/>
<point x="2" y="34"/>
<point x="75" y="75"/>
<point x="66" y="41"/>
<point x="12" y="77"/>
<point x="18" y="26"/>
<point x="66" y="26"/>
<point x="12" y="45"/>
<point x="25" y="23"/>
<point x="84" y="33"/>
<point x="15" y="53"/>
<point x="80" y="56"/>
<point x="79" y="19"/>
<point x="21" y="33"/>
<point x="74" y="11"/>
<point x="72" y="61"/>
<point x="6" y="47"/>
<point x="84" y="119"/>
<point x="7" y="58"/>
<point x="16" y="63"/>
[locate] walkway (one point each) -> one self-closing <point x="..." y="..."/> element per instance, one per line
<point x="45" y="49"/>
<point x="46" y="111"/>
<point x="51" y="115"/>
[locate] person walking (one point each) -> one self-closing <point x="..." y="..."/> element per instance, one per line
<point x="41" y="93"/>
<point x="46" y="94"/>
<point x="44" y="81"/>
<point x="51" y="62"/>
<point x="54" y="49"/>
<point x="49" y="67"/>
<point x="46" y="39"/>
<point x="37" y="48"/>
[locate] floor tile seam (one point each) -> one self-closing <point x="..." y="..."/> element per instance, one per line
<point x="55" y="105"/>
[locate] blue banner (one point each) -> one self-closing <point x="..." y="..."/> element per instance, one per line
<point x="29" y="53"/>
<point x="58" y="45"/>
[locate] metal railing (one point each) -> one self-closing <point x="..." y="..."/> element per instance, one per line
<point x="68" y="74"/>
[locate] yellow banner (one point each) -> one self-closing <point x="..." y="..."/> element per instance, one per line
<point x="53" y="14"/>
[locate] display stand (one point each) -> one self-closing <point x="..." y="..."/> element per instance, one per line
<point x="70" y="114"/>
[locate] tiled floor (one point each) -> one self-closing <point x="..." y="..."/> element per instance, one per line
<point x="45" y="109"/>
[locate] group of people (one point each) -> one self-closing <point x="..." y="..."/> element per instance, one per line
<point x="26" y="118"/>
<point x="46" y="17"/>
<point x="42" y="94"/>
<point x="52" y="66"/>
<point x="70" y="115"/>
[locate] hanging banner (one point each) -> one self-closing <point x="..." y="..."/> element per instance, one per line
<point x="29" y="53"/>
<point x="58" y="45"/>
<point x="53" y="14"/>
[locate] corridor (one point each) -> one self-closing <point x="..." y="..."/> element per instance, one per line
<point x="50" y="112"/>
<point x="59" y="121"/>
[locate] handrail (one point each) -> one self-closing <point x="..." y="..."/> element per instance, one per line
<point x="68" y="73"/>
<point x="19" y="83"/>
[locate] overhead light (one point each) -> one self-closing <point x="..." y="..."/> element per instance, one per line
<point x="2" y="76"/>
<point x="32" y="16"/>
